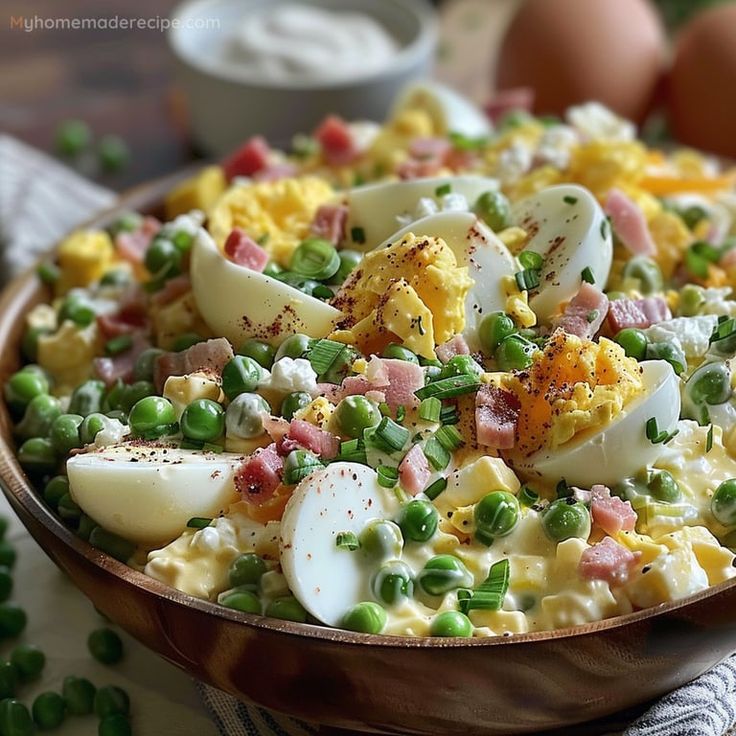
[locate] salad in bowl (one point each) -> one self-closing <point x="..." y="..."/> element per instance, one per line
<point x="428" y="378"/>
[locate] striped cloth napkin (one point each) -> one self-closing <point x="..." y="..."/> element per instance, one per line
<point x="41" y="200"/>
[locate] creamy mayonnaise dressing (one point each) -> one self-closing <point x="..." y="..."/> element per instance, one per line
<point x="299" y="43"/>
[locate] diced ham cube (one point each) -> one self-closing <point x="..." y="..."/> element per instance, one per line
<point x="414" y="472"/>
<point x="330" y="221"/>
<point x="611" y="513"/>
<point x="454" y="346"/>
<point x="249" y="159"/>
<point x="336" y="139"/>
<point x="209" y="357"/>
<point x="607" y="560"/>
<point x="259" y="475"/>
<point x="404" y="379"/>
<point x="277" y="428"/>
<point x="585" y="314"/>
<point x="316" y="440"/>
<point x="132" y="246"/>
<point x="629" y="223"/>
<point x="496" y="417"/>
<point x="172" y="290"/>
<point x="641" y="313"/>
<point x="240" y="248"/>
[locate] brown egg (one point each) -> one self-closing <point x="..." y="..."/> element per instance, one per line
<point x="702" y="83"/>
<point x="572" y="51"/>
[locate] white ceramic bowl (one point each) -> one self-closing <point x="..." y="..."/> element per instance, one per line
<point x="227" y="104"/>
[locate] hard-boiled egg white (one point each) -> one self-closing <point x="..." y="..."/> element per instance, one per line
<point x="477" y="247"/>
<point x="148" y="494"/>
<point x="569" y="229"/>
<point x="376" y="209"/>
<point x="238" y="303"/>
<point x="449" y="111"/>
<point x="621" y="448"/>
<point x="325" y="579"/>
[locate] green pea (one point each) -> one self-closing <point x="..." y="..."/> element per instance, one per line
<point x="38" y="417"/>
<point x="241" y="375"/>
<point x="692" y="298"/>
<point x="87" y="398"/>
<point x="72" y="137"/>
<point x="145" y="363"/>
<point x="515" y="353"/>
<point x="133" y="393"/>
<point x="723" y="503"/>
<point x="110" y="700"/>
<point x="451" y="623"/>
<point x="152" y="417"/>
<point x="633" y="341"/>
<point x="22" y="387"/>
<point x="495" y="209"/>
<point x="673" y="354"/>
<point x="709" y="384"/>
<point x="15" y="719"/>
<point x="49" y="711"/>
<point x="566" y="518"/>
<point x="247" y="569"/>
<point x="28" y="660"/>
<point x="260" y="351"/>
<point x="13" y="620"/>
<point x="393" y="583"/>
<point x="6" y="583"/>
<point x="493" y="329"/>
<point x="242" y="600"/>
<point x="295" y="346"/>
<point x="315" y="258"/>
<point x="91" y="426"/>
<point x="185" y="341"/>
<point x="381" y="539"/>
<point x="349" y="260"/>
<point x="114" y="725"/>
<point x="163" y="259"/>
<point x="64" y="433"/>
<point x="29" y="343"/>
<point x="37" y="455"/>
<point x="115" y="546"/>
<point x="664" y="487"/>
<point x="367" y="618"/>
<point x="105" y="646"/>
<point x="287" y="608"/>
<point x="646" y="273"/>
<point x="203" y="420"/>
<point x="399" y="352"/>
<point x="55" y="490"/>
<point x="442" y="574"/>
<point x="8" y="680"/>
<point x="244" y="416"/>
<point x="460" y="365"/>
<point x="77" y="309"/>
<point x="354" y="414"/>
<point x="79" y="694"/>
<point x="69" y="510"/>
<point x="113" y="153"/>
<point x="496" y="515"/>
<point x="418" y="520"/>
<point x="293" y="402"/>
<point x="85" y="527"/>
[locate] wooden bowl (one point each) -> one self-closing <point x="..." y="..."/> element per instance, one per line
<point x="517" y="684"/>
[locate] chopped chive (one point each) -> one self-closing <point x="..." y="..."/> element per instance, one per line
<point x="391" y="434"/>
<point x="322" y="292"/>
<point x="438" y="456"/>
<point x="435" y="488"/>
<point x="569" y="199"/>
<point x="443" y="189"/>
<point x="563" y="490"/>
<point x="449" y="437"/>
<point x="527" y="279"/>
<point x="119" y="344"/>
<point x="388" y="476"/>
<point x="357" y="234"/>
<point x="400" y="413"/>
<point x="198" y="522"/>
<point x="528" y="497"/>
<point x="385" y="409"/>
<point x="449" y="415"/>
<point x="464" y="142"/>
<point x="723" y="330"/>
<point x="531" y="260"/>
<point x="489" y="595"/>
<point x="605" y="228"/>
<point x="430" y="409"/>
<point x="655" y="436"/>
<point x="446" y="388"/>
<point x="587" y="275"/>
<point x="48" y="272"/>
<point x="347" y="540"/>
<point x="323" y="354"/>
<point x="709" y="439"/>
<point x="420" y="327"/>
<point x="352" y="451"/>
<point x="593" y="315"/>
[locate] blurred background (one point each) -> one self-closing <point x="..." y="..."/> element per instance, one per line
<point x="670" y="65"/>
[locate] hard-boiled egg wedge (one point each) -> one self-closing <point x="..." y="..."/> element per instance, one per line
<point x="449" y="111"/>
<point x="622" y="448"/>
<point x="326" y="579"/>
<point x="148" y="494"/>
<point x="376" y="210"/>
<point x="569" y="230"/>
<point x="477" y="247"/>
<point x="238" y="303"/>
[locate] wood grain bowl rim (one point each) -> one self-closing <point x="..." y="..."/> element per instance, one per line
<point x="24" y="291"/>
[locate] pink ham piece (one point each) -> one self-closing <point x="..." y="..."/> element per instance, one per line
<point x="585" y="314"/>
<point x="418" y="168"/>
<point x="209" y="357"/>
<point x="259" y="475"/>
<point x="607" y="560"/>
<point x="240" y="248"/>
<point x="496" y="417"/>
<point x="316" y="440"/>
<point x="641" y="313"/>
<point x="629" y="223"/>
<point x="110" y="369"/>
<point x="250" y="158"/>
<point x="336" y="140"/>
<point x="276" y="427"/>
<point x="610" y="513"/>
<point x="414" y="472"/>
<point x="132" y="246"/>
<point x="509" y="100"/>
<point x="454" y="346"/>
<point x="172" y="290"/>
<point x="131" y="315"/>
<point x="273" y="172"/>
<point x="429" y="148"/>
<point x="330" y="221"/>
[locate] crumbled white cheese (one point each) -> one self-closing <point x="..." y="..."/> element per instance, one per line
<point x="556" y="145"/>
<point x="113" y="433"/>
<point x="596" y="122"/>
<point x="691" y="334"/>
<point x="717" y="303"/>
<point x="291" y="374"/>
<point x="454" y="202"/>
<point x="514" y="162"/>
